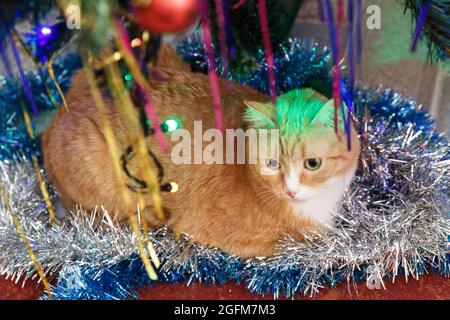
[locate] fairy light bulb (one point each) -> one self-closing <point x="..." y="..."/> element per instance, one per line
<point x="146" y="36"/>
<point x="136" y="42"/>
<point x="171" y="124"/>
<point x="128" y="77"/>
<point x="46" y="31"/>
<point x="173" y="187"/>
<point x="117" y="56"/>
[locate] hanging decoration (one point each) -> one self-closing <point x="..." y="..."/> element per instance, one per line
<point x="212" y="72"/>
<point x="162" y="16"/>
<point x="394" y="223"/>
<point x="267" y="48"/>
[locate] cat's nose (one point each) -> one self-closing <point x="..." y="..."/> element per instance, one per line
<point x="291" y="194"/>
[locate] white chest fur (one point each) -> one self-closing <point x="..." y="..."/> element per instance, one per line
<point x="325" y="202"/>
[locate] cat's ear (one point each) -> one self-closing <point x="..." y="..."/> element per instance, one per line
<point x="325" y="115"/>
<point x="259" y="115"/>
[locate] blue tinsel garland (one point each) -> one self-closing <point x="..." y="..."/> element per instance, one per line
<point x="299" y="63"/>
<point x="14" y="137"/>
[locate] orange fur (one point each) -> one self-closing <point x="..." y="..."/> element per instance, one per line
<point x="231" y="207"/>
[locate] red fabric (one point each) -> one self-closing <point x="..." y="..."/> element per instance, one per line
<point x="430" y="287"/>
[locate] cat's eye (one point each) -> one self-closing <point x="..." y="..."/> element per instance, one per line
<point x="272" y="164"/>
<point x="313" y="164"/>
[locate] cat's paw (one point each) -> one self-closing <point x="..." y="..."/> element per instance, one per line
<point x="60" y="211"/>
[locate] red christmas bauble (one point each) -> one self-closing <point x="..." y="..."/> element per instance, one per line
<point x="161" y="16"/>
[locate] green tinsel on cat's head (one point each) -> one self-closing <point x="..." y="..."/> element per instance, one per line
<point x="298" y="112"/>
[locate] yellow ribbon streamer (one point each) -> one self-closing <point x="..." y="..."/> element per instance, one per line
<point x="44" y="191"/>
<point x="25" y="241"/>
<point x="27" y="119"/>
<point x="125" y="105"/>
<point x="144" y="223"/>
<point x="114" y="152"/>
<point x="51" y="72"/>
<point x="37" y="170"/>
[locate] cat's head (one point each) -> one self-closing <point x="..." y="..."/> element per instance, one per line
<point x="310" y="157"/>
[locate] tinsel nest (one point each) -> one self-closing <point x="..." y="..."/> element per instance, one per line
<point x="394" y="221"/>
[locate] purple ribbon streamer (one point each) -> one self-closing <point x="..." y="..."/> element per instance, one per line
<point x="332" y="31"/>
<point x="345" y="96"/>
<point x="229" y="30"/>
<point x="359" y="32"/>
<point x="348" y="97"/>
<point x="420" y="23"/>
<point x="321" y="10"/>
<point x="351" y="55"/>
<point x="343" y="92"/>
<point x="26" y="84"/>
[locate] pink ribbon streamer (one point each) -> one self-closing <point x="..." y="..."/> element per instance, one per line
<point x="267" y="48"/>
<point x="212" y="73"/>
<point x="238" y="4"/>
<point x="222" y="34"/>
<point x="148" y="104"/>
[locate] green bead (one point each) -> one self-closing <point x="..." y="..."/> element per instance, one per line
<point x="128" y="77"/>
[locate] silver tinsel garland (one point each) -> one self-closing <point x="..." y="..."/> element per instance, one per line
<point x="394" y="221"/>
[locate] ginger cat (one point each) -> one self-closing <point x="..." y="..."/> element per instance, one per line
<point x="233" y="207"/>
